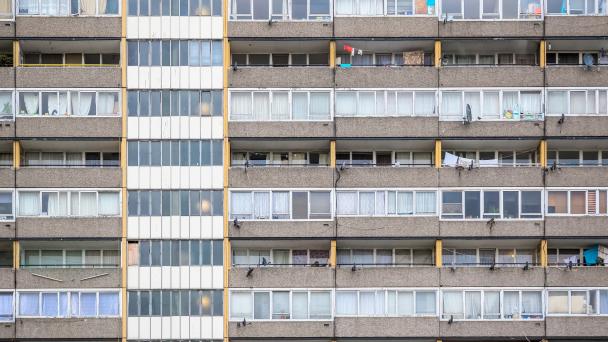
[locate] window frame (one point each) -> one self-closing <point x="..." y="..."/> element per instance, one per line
<point x="251" y="193"/>
<point x="569" y="191"/>
<point x="291" y="291"/>
<point x="520" y="16"/>
<point x="501" y="190"/>
<point x="413" y="191"/>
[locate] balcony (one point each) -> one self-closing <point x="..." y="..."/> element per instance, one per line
<point x="577" y="327"/>
<point x="389" y="127"/>
<point x="69" y="227"/>
<point x="576" y="25"/>
<point x="68" y="77"/>
<point x="277" y="77"/>
<point x="533" y="330"/>
<point x="69" y="26"/>
<point x="388" y="77"/>
<point x="523" y="176"/>
<point x="480" y="129"/>
<point x="68" y="328"/>
<point x="282" y="329"/>
<point x="287" y="176"/>
<point x="282" y="229"/>
<point x="282" y="277"/>
<point x="386" y="327"/>
<point x="573" y="226"/>
<point x="279" y="29"/>
<point x="365" y="227"/>
<point x="382" y="26"/>
<point x="380" y="276"/>
<point x="577" y="176"/>
<point x="388" y="176"/>
<point x="491" y="76"/>
<point x="583" y="126"/>
<point x="576" y="276"/>
<point x="69" y="177"/>
<point x="69" y="127"/>
<point x="68" y="278"/>
<point x="500" y="228"/>
<point x="484" y="276"/>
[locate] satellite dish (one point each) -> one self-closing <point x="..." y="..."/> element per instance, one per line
<point x="588" y="61"/>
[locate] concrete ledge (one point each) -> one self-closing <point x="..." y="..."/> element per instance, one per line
<point x="95" y="177"/>
<point x="575" y="76"/>
<point x="483" y="276"/>
<point x="281" y="177"/>
<point x="577" y="276"/>
<point x="273" y="77"/>
<point x="576" y="25"/>
<point x="7" y="280"/>
<point x="532" y="129"/>
<point x="489" y="76"/>
<point x="7" y="230"/>
<point x="7" y="330"/>
<point x="69" y="127"/>
<point x="67" y="328"/>
<point x="497" y="28"/>
<point x="382" y="27"/>
<point x="95" y="227"/>
<point x="7" y="75"/>
<point x="7" y="129"/>
<point x="411" y="226"/>
<point x="531" y="329"/>
<point x="77" y="27"/>
<point x="578" y="327"/>
<point x="380" y="127"/>
<point x="282" y="277"/>
<point x="68" y="77"/>
<point x="584" y="126"/>
<point x="280" y="29"/>
<point x="68" y="278"/>
<point x="502" y="228"/>
<point x="491" y="176"/>
<point x="295" y="129"/>
<point x="422" y="276"/>
<point x="578" y="176"/>
<point x="282" y="229"/>
<point x="387" y="77"/>
<point x="7" y="30"/>
<point x="278" y="329"/>
<point x="7" y="177"/>
<point x="386" y="327"/>
<point x="575" y="226"/>
<point x="388" y="176"/>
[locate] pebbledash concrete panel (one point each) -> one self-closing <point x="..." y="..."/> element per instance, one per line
<point x="576" y="276"/>
<point x="575" y="226"/>
<point x="495" y="129"/>
<point x="389" y="127"/>
<point x="491" y="29"/>
<point x="63" y="177"/>
<point x="499" y="276"/>
<point x="282" y="229"/>
<point x="69" y="127"/>
<point x="7" y="30"/>
<point x="293" y="29"/>
<point x="7" y="177"/>
<point x="577" y="176"/>
<point x="576" y="25"/>
<point x="7" y="230"/>
<point x="386" y="327"/>
<point x="576" y="76"/>
<point x="68" y="328"/>
<point x="485" y="229"/>
<point x="68" y="278"/>
<point x="419" y="276"/>
<point x="291" y="329"/>
<point x="580" y="126"/>
<point x="281" y="277"/>
<point x="491" y="176"/>
<point x="413" y="226"/>
<point x="578" y="327"/>
<point x="490" y="76"/>
<point x="387" y="77"/>
<point x="73" y="27"/>
<point x="7" y="278"/>
<point x="294" y="129"/>
<point x="281" y="177"/>
<point x="7" y="331"/>
<point x="7" y="76"/>
<point x="273" y="77"/>
<point x="531" y="329"/>
<point x="73" y="227"/>
<point x="383" y="27"/>
<point x="388" y="176"/>
<point x="68" y="77"/>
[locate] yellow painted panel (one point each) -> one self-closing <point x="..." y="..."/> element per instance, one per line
<point x="437" y="154"/>
<point x="438" y="253"/>
<point x="437" y="54"/>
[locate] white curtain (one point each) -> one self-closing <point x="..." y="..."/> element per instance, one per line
<point x="531" y="102"/>
<point x="29" y="203"/>
<point x="391" y="103"/>
<point x="107" y="104"/>
<point x="425" y="303"/>
<point x="6" y="103"/>
<point x="472" y="304"/>
<point x="366" y="203"/>
<point x="31" y="103"/>
<point x="510" y="102"/>
<point x="391" y="303"/>
<point x="346" y="103"/>
<point x="58" y="204"/>
<point x="320" y="305"/>
<point x="299" y="107"/>
<point x="74" y="304"/>
<point x="108" y="304"/>
<point x="28" y="304"/>
<point x="391" y="206"/>
<point x="50" y="305"/>
<point x="240" y="205"/>
<point x="425" y="202"/>
<point x="491" y="304"/>
<point x="261" y="205"/>
<point x="261" y="106"/>
<point x="405" y="203"/>
<point x="511" y="304"/>
<point x="591" y="102"/>
<point x="280" y="105"/>
<point x="280" y="304"/>
<point x="88" y="204"/>
<point x="380" y="103"/>
<point x="241" y="304"/>
<point x="88" y="304"/>
<point x="108" y="204"/>
<point x="473" y="100"/>
<point x="74" y="203"/>
<point x="531" y="302"/>
<point x="319" y="106"/>
<point x="299" y="305"/>
<point x="380" y="203"/>
<point x="451" y="105"/>
<point x="367" y="303"/>
<point x="367" y="103"/>
<point x="603" y="102"/>
<point x="6" y="306"/>
<point x="74" y="158"/>
<point x="558" y="302"/>
<point x="405" y="103"/>
<point x="346" y="303"/>
<point x="452" y="305"/>
<point x="280" y="205"/>
<point x="346" y="203"/>
<point x="491" y="105"/>
<point x="405" y="303"/>
<point x="603" y="302"/>
<point x="367" y="7"/>
<point x="577" y="102"/>
<point x="28" y="6"/>
<point x="87" y="7"/>
<point x="240" y="106"/>
<point x="344" y="6"/>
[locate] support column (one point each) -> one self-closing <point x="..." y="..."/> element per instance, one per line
<point x="16" y="254"/>
<point x="332" y="153"/>
<point x="16" y="155"/>
<point x="542" y="151"/>
<point x="332" y="54"/>
<point x="544" y="260"/>
<point x="437" y="54"/>
<point x="438" y="253"/>
<point x="332" y="254"/>
<point x="16" y="53"/>
<point x="543" y="54"/>
<point x="437" y="154"/>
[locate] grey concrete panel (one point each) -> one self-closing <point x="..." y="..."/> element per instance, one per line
<point x="576" y="226"/>
<point x="280" y="129"/>
<point x="292" y="29"/>
<point x="491" y="176"/>
<point x="7" y="279"/>
<point x="68" y="328"/>
<point x="7" y="230"/>
<point x="500" y="276"/>
<point x="285" y="329"/>
<point x="575" y="25"/>
<point x="7" y="77"/>
<point x="576" y="76"/>
<point x="96" y="227"/>
<point x="68" y="77"/>
<point x="423" y="276"/>
<point x="7" y="177"/>
<point x="7" y="30"/>
<point x="530" y="329"/>
<point x="575" y="176"/>
<point x="489" y="76"/>
<point x="68" y="278"/>
<point x="282" y="277"/>
<point x="577" y="126"/>
<point x="388" y="176"/>
<point x="382" y="27"/>
<point x="73" y="27"/>
<point x="69" y="127"/>
<point x="380" y="127"/>
<point x="272" y="77"/>
<point x="282" y="229"/>
<point x="388" y="227"/>
<point x="386" y="327"/>
<point x="387" y="77"/>
<point x="98" y="177"/>
<point x="492" y="28"/>
<point x="501" y="228"/>
<point x="281" y="177"/>
<point x="577" y="276"/>
<point x="491" y="129"/>
<point x="578" y="327"/>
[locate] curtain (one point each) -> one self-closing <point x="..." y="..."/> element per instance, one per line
<point x="261" y="204"/>
<point x="111" y="257"/>
<point x="346" y="103"/>
<point x="577" y="102"/>
<point x="558" y="302"/>
<point x="74" y="158"/>
<point x="29" y="203"/>
<point x="405" y="303"/>
<point x="391" y="208"/>
<point x="491" y="105"/>
<point x="380" y="103"/>
<point x="405" y="203"/>
<point x="88" y="204"/>
<point x="28" y="7"/>
<point x="280" y="105"/>
<point x="240" y="205"/>
<point x="473" y="100"/>
<point x="425" y="303"/>
<point x="346" y="203"/>
<point x="367" y="103"/>
<point x="107" y="104"/>
<point x="57" y="204"/>
<point x="472" y="304"/>
<point x="344" y="7"/>
<point x="346" y="303"/>
<point x="531" y="102"/>
<point x="320" y="305"/>
<point x="261" y="106"/>
<point x="50" y="305"/>
<point x="510" y="103"/>
<point x="280" y="305"/>
<point x="6" y="306"/>
<point x="241" y="304"/>
<point x="299" y="305"/>
<point x="391" y="103"/>
<point x="366" y="203"/>
<point x="452" y="305"/>
<point x="425" y="202"/>
<point x="380" y="203"/>
<point x="108" y="304"/>
<point x="108" y="204"/>
<point x="28" y="304"/>
<point x="280" y="205"/>
<point x="6" y="12"/>
<point x="240" y="106"/>
<point x="591" y="102"/>
<point x="405" y="103"/>
<point x="603" y="302"/>
<point x="87" y="7"/>
<point x="511" y="304"/>
<point x="451" y="105"/>
<point x="299" y="107"/>
<point x="86" y="105"/>
<point x="367" y="303"/>
<point x="319" y="106"/>
<point x="30" y="101"/>
<point x="6" y="99"/>
<point x="88" y="304"/>
<point x="531" y="303"/>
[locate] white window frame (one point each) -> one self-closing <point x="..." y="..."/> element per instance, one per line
<point x="69" y="292"/>
<point x="414" y="292"/>
<point x="569" y="191"/>
<point x="355" y="12"/>
<point x="291" y="292"/>
<point x="414" y="191"/>
<point x="69" y="92"/>
<point x="384" y="93"/>
<point x="271" y="257"/>
<point x="69" y="192"/>
<point x="535" y="261"/>
<point x="64" y="257"/>
<point x="599" y="161"/>
<point x="481" y="204"/>
<point x="290" y="191"/>
<point x="568" y="9"/>
<point x="13" y="102"/>
<point x="287" y="14"/>
<point x="532" y="162"/>
<point x="10" y="218"/>
<point x="520" y="17"/>
<point x="598" y="111"/>
<point x="394" y="257"/>
<point x="69" y="10"/>
<point x="570" y="290"/>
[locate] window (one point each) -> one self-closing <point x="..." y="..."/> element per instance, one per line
<point x="6" y="307"/>
<point x="175" y="153"/>
<point x="176" y="253"/>
<point x="70" y="258"/>
<point x="175" y="303"/>
<point x="490" y="9"/>
<point x="279" y="257"/>
<point x="489" y="256"/>
<point x="65" y="103"/>
<point x="485" y="105"/>
<point x="280" y="105"/>
<point x="174" y="8"/>
<point x="278" y="10"/>
<point x="281" y="59"/>
<point x="175" y="52"/>
<point x="69" y="203"/>
<point x="577" y="102"/>
<point x="144" y="103"/>
<point x="256" y="205"/>
<point x="371" y="303"/>
<point x="249" y="159"/>
<point x="175" y="202"/>
<point x="6" y="103"/>
<point x="486" y="304"/>
<point x="385" y="103"/>
<point x="385" y="257"/>
<point x="567" y="302"/>
<point x="66" y="7"/>
<point x="576" y="7"/>
<point x="71" y="159"/>
<point x="470" y="204"/>
<point x="275" y="305"/>
<point x="576" y="202"/>
<point x="6" y="205"/>
<point x="385" y="203"/>
<point x="69" y="304"/>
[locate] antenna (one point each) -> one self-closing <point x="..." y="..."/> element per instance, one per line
<point x="451" y="320"/>
<point x="570" y="265"/>
<point x="561" y="120"/>
<point x="343" y="166"/>
<point x="236" y="223"/>
<point x="270" y="22"/>
<point x="354" y="268"/>
<point x="265" y="262"/>
<point x="493" y="266"/>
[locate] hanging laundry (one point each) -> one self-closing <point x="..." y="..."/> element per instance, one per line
<point x="456" y="161"/>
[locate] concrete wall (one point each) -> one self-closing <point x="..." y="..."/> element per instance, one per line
<point x="388" y="227"/>
<point x="387" y="176"/>
<point x="531" y="329"/>
<point x="386" y="327"/>
<point x="69" y="177"/>
<point x="578" y="327"/>
<point x="568" y="26"/>
<point x="67" y="328"/>
<point x="281" y="177"/>
<point x="575" y="76"/>
<point x="7" y="230"/>
<point x="491" y="176"/>
<point x="281" y="329"/>
<point x="578" y="176"/>
<point x="577" y="276"/>
<point x="423" y="276"/>
<point x="7" y="76"/>
<point x="282" y="229"/>
<point x="68" y="278"/>
<point x="293" y="29"/>
<point x="7" y="30"/>
<point x="96" y="227"/>
<point x="72" y="127"/>
<point x="380" y="127"/>
<point x="7" y="129"/>
<point x="506" y="228"/>
<point x="276" y="129"/>
<point x="389" y="77"/>
<point x="7" y="279"/>
<point x="273" y="77"/>
<point x="483" y="276"/>
<point x="282" y="277"/>
<point x="584" y="126"/>
<point x="469" y="29"/>
<point x="68" y="77"/>
<point x="382" y="27"/>
<point x="80" y="27"/>
<point x="491" y="129"/>
<point x="7" y="177"/>
<point x="574" y="226"/>
<point x="488" y="76"/>
<point x="7" y="330"/>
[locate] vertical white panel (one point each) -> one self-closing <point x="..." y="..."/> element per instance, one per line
<point x="133" y="277"/>
<point x="218" y="227"/>
<point x="205" y="227"/>
<point x="184" y="326"/>
<point x="132" y="127"/>
<point x="195" y="177"/>
<point x="165" y="227"/>
<point x="194" y="128"/>
<point x="144" y="77"/>
<point x="165" y="177"/>
<point x="155" y="177"/>
<point x="165" y="127"/>
<point x="184" y="227"/>
<point x="144" y="327"/>
<point x="166" y="277"/>
<point x="184" y="127"/>
<point x="218" y="177"/>
<point x="217" y="27"/>
<point x="217" y="277"/>
<point x="155" y="328"/>
<point x="175" y="227"/>
<point x="205" y="127"/>
<point x="217" y="127"/>
<point x="194" y="28"/>
<point x="184" y="177"/>
<point x="155" y="77"/>
<point x="206" y="177"/>
<point x="206" y="277"/>
<point x="175" y="328"/>
<point x="205" y="28"/>
<point x="194" y="81"/>
<point x="133" y="328"/>
<point x="175" y="277"/>
<point x="144" y="27"/>
<point x="165" y="27"/>
<point x="195" y="327"/>
<point x="155" y="277"/>
<point x="132" y="77"/>
<point x="155" y="27"/>
<point x="144" y="128"/>
<point x="218" y="327"/>
<point x="205" y="73"/>
<point x="175" y="77"/>
<point x="144" y="227"/>
<point x="217" y="75"/>
<point x="175" y="127"/>
<point x="184" y="281"/>
<point x="155" y="227"/>
<point x="195" y="227"/>
<point x="166" y="77"/>
<point x="132" y="27"/>
<point x="184" y="76"/>
<point x="132" y="227"/>
<point x="144" y="277"/>
<point x="195" y="277"/>
<point x="166" y="333"/>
